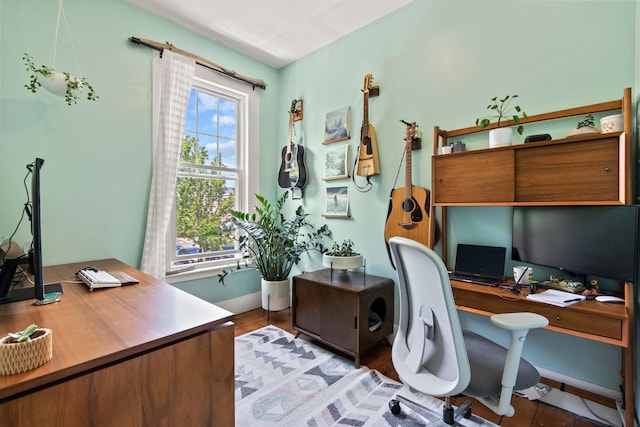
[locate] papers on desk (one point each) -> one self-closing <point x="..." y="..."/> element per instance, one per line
<point x="557" y="298"/>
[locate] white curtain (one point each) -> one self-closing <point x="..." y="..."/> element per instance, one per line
<point x="172" y="80"/>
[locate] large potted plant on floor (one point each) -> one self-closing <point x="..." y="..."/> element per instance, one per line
<point x="274" y="244"/>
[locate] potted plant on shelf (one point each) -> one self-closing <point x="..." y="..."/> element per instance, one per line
<point x="585" y="127"/>
<point x="58" y="83"/>
<point x="274" y="244"/>
<point x="342" y="256"/>
<point x="25" y="350"/>
<point x="501" y="109"/>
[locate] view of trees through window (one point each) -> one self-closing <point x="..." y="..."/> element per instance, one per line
<point x="207" y="178"/>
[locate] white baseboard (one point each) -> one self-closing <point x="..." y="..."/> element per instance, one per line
<point x="243" y="303"/>
<point x="583" y="407"/>
<point x="582" y="385"/>
<point x="579" y="405"/>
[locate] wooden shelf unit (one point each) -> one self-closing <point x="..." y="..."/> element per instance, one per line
<point x="593" y="169"/>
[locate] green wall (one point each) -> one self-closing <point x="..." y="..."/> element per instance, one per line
<point x="439" y="63"/>
<point x="97" y="155"/>
<point x="436" y="62"/>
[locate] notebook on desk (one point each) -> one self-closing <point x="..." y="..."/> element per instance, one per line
<point x="479" y="264"/>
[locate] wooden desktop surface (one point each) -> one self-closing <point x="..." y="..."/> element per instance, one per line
<point x="603" y="322"/>
<point x="590" y="319"/>
<point x="96" y="329"/>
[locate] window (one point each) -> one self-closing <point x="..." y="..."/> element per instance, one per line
<point x="213" y="176"/>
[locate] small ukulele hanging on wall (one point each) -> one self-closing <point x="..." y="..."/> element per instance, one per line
<point x="367" y="159"/>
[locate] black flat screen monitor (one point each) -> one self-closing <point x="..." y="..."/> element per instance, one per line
<point x="597" y="241"/>
<point x="35" y="254"/>
<point x="42" y="294"/>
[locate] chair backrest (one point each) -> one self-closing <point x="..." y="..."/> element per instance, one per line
<point x="428" y="351"/>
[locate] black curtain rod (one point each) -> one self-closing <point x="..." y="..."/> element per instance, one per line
<point x="200" y="61"/>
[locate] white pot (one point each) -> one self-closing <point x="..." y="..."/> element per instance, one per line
<point x="500" y="137"/>
<point x="275" y="295"/>
<point x="613" y="123"/>
<point x="583" y="131"/>
<point x="445" y="149"/>
<point x="342" y="262"/>
<point x="56" y="83"/>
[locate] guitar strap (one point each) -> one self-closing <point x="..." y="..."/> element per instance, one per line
<point x="395" y="181"/>
<point x="299" y="194"/>
<point x="369" y="185"/>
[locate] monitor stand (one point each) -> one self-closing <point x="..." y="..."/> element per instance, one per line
<point x="52" y="293"/>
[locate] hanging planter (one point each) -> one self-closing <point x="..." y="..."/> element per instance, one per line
<point x="56" y="82"/>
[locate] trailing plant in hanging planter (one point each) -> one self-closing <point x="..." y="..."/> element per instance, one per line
<point x="56" y="82"/>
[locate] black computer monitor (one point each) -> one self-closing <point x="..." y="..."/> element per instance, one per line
<point x="42" y="294"/>
<point x="597" y="241"/>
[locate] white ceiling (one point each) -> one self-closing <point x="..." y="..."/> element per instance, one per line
<point x="275" y="32"/>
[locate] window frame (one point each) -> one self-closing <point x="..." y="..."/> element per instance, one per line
<point x="248" y="166"/>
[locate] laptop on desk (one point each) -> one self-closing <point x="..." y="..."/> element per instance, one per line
<point x="479" y="264"/>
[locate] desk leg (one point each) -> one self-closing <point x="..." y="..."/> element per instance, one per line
<point x="627" y="355"/>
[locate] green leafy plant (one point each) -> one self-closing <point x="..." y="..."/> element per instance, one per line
<point x="588" y="121"/>
<point x="342" y="249"/>
<point x="22" y="336"/>
<point x="273" y="243"/>
<point x="73" y="84"/>
<point x="501" y="109"/>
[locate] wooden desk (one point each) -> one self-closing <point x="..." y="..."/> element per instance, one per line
<point x="144" y="354"/>
<point x="607" y="323"/>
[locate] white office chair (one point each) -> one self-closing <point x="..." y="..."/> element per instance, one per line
<point x="432" y="354"/>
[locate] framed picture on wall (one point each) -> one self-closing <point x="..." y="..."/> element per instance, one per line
<point x="336" y="126"/>
<point x="336" y="162"/>
<point x="337" y="202"/>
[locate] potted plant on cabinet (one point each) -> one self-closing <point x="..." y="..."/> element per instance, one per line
<point x="501" y="109"/>
<point x="56" y="82"/>
<point x="342" y="256"/>
<point x="274" y="244"/>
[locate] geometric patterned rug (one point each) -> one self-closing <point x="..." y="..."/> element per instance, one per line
<point x="285" y="381"/>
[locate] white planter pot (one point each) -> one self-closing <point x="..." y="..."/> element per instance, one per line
<point x="275" y="295"/>
<point x="342" y="262"/>
<point x="56" y="83"/>
<point x="445" y="150"/>
<point x="583" y="131"/>
<point x="613" y="123"/>
<point x="500" y="137"/>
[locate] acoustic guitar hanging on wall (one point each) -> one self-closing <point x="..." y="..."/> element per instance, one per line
<point x="408" y="214"/>
<point x="293" y="173"/>
<point x="368" y="163"/>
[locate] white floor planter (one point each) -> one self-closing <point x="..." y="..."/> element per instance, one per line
<point x="500" y="137"/>
<point x="275" y="295"/>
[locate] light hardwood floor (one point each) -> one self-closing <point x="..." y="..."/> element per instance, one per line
<point x="528" y="413"/>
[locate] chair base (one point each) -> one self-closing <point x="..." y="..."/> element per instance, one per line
<point x="449" y="414"/>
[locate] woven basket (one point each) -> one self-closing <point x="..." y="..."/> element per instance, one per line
<point x="24" y="356"/>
